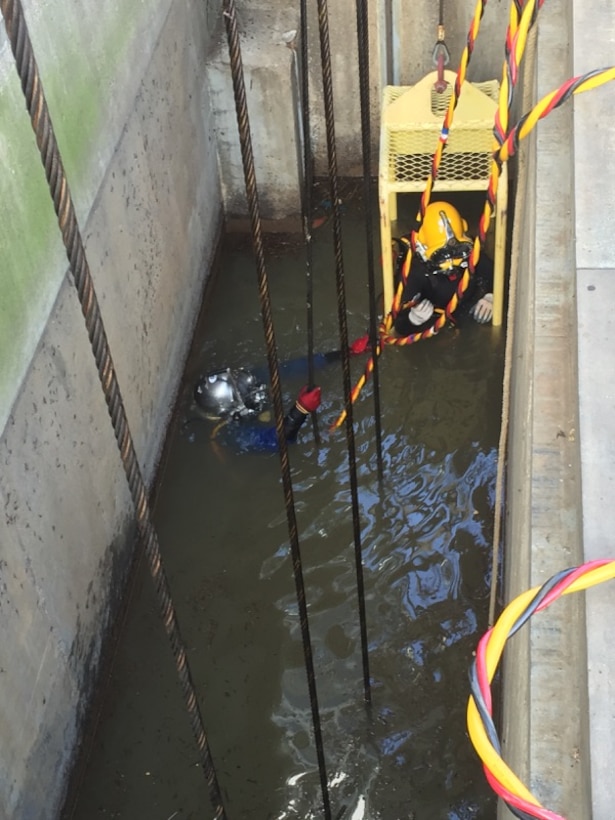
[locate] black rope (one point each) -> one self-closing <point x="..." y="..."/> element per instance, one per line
<point x="306" y="199"/>
<point x="36" y="104"/>
<point x="441" y="14"/>
<point x="323" y="25"/>
<point x="276" y="392"/>
<point x="363" y="48"/>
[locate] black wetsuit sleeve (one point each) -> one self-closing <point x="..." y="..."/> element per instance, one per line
<point x="418" y="286"/>
<point x="484" y="276"/>
<point x="292" y="422"/>
<point x="480" y="284"/>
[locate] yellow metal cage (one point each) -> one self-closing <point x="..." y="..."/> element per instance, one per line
<point x="411" y="125"/>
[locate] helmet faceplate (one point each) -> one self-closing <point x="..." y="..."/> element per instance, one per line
<point x="235" y="393"/>
<point x="441" y="240"/>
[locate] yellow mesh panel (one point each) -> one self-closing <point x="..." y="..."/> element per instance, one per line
<point x="411" y="125"/>
<point x="409" y="140"/>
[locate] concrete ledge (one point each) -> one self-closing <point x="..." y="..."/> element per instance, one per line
<point x="596" y="402"/>
<point x="267" y="63"/>
<point x="545" y="694"/>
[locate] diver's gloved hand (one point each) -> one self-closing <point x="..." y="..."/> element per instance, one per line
<point x="483" y="309"/>
<point x="308" y="401"/>
<point x="421" y="312"/>
<point x="360" y="345"/>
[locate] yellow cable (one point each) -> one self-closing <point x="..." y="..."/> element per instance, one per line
<point x="541" y="108"/>
<point x="593" y="82"/>
<point x="217" y="428"/>
<point x="495" y="645"/>
<point x="476" y="729"/>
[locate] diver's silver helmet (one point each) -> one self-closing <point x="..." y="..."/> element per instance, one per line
<point x="236" y="393"/>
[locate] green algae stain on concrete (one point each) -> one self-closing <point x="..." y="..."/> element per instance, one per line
<point x="84" y="81"/>
<point x="30" y="243"/>
<point x="85" y="56"/>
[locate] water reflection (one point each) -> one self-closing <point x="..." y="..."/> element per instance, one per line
<point x="425" y="535"/>
<point x="426" y="563"/>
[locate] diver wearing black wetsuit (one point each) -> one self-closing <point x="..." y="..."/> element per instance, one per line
<point x="441" y="258"/>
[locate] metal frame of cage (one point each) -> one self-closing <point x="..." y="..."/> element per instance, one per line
<point x="411" y="126"/>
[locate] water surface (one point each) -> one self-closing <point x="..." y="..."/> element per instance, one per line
<point x="426" y="538"/>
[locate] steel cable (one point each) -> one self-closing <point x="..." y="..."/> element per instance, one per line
<point x="325" y="51"/>
<point x="36" y="104"/>
<point x="307" y="184"/>
<point x="363" y="51"/>
<point x="247" y="156"/>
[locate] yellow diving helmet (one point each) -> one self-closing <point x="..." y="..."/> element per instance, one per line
<point x="441" y="240"/>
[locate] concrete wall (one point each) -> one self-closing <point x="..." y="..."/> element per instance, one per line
<point x="401" y="41"/>
<point x="594" y="139"/>
<point x="152" y="160"/>
<point x="545" y="726"/>
<point x="126" y="93"/>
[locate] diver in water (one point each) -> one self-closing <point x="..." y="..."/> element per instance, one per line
<point x="238" y="400"/>
<point x="441" y="257"/>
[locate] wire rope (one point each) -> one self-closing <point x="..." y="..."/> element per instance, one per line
<point x="325" y="50"/>
<point x="307" y="183"/>
<point x="36" y="104"/>
<point x="247" y="156"/>
<point x="363" y="51"/>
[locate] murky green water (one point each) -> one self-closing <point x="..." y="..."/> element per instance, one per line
<point x="426" y="537"/>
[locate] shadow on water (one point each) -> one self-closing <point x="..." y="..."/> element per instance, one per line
<point x="426" y="538"/>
